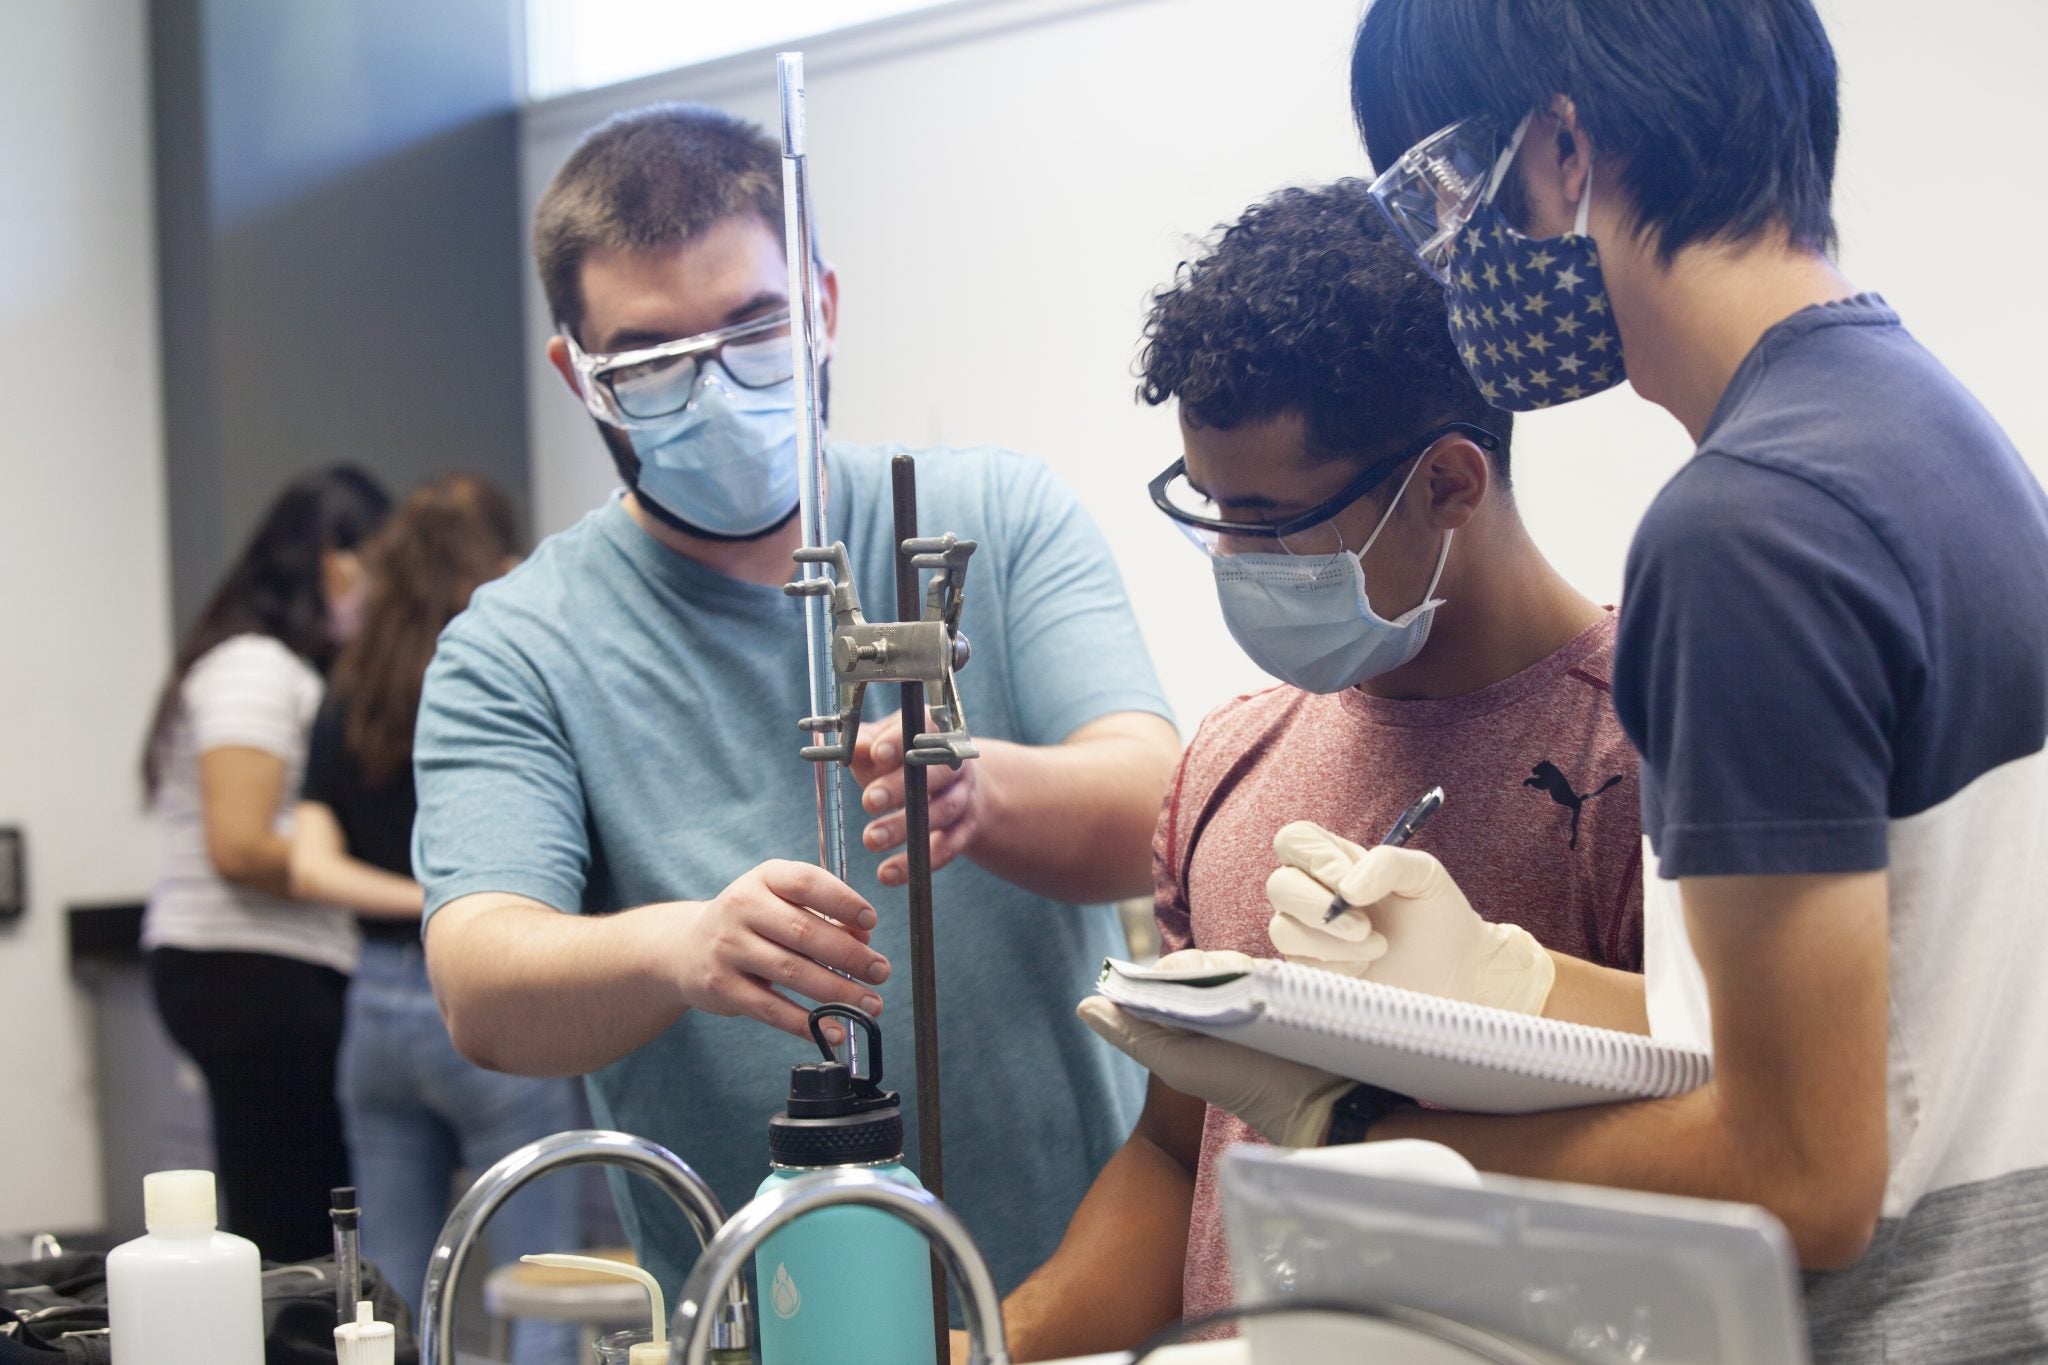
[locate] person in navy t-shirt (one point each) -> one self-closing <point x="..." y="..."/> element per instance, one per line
<point x="1832" y="653"/>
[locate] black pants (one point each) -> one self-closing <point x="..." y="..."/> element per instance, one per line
<point x="265" y="1031"/>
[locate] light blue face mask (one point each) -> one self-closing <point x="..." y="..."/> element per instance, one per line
<point x="1306" y="619"/>
<point x="727" y="463"/>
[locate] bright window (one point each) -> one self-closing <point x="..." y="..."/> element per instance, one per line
<point x="578" y="44"/>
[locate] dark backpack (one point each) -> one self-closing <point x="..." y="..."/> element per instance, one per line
<point x="54" y="1312"/>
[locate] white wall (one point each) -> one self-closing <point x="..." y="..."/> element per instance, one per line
<point x="1001" y="184"/>
<point x="83" y="598"/>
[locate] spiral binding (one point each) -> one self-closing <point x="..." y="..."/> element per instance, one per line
<point x="1352" y="1010"/>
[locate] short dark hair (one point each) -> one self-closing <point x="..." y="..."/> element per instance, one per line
<point x="1308" y="303"/>
<point x="646" y="179"/>
<point x="1725" y="110"/>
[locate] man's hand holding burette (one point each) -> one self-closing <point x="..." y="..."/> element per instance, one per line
<point x="775" y="940"/>
<point x="774" y="932"/>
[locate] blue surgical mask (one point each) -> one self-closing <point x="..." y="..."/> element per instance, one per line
<point x="727" y="462"/>
<point x="1530" y="314"/>
<point x="1306" y="619"/>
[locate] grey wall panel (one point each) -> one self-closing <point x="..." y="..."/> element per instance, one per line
<point x="339" y="219"/>
<point x="185" y="316"/>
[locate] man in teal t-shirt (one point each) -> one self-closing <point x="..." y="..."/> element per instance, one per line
<point x="612" y="728"/>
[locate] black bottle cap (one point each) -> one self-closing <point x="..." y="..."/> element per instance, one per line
<point x="834" y="1117"/>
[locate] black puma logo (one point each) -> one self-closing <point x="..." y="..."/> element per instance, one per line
<point x="1547" y="776"/>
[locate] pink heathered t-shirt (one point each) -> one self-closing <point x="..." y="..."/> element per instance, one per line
<point x="1540" y="826"/>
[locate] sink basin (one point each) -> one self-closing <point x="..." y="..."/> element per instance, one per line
<point x="1198" y="1353"/>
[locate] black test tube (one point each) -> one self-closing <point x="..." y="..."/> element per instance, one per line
<point x="348" y="1258"/>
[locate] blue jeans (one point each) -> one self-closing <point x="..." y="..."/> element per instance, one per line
<point x="416" y="1113"/>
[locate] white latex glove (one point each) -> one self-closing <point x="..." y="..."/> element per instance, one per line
<point x="1288" y="1103"/>
<point x="1410" y="926"/>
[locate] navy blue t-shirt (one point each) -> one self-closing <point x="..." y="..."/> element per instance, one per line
<point x="1833" y="656"/>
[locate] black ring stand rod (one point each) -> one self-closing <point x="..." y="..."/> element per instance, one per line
<point x="917" y="818"/>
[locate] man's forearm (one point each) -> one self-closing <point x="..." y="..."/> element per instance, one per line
<point x="1795" y="1118"/>
<point x="529" y="990"/>
<point x="1074" y="821"/>
<point x="1685" y="1145"/>
<point x="1603" y="997"/>
<point x="1116" y="1277"/>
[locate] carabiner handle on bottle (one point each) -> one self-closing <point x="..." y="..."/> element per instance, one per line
<point x="852" y="1014"/>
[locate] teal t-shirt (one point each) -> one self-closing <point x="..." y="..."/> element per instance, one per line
<point x="613" y="724"/>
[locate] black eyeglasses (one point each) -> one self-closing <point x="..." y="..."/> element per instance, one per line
<point x="1194" y="510"/>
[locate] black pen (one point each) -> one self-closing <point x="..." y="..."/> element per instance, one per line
<point x="1412" y="819"/>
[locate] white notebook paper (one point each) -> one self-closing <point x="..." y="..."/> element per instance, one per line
<point x="1447" y="1052"/>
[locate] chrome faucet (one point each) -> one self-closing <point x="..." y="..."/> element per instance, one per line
<point x="692" y="1332"/>
<point x="734" y="1324"/>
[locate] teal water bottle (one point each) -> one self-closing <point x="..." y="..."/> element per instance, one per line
<point x="850" y="1286"/>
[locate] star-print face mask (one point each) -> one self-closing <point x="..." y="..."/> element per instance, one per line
<point x="1529" y="314"/>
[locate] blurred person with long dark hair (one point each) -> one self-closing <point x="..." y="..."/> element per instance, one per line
<point x="414" y="1111"/>
<point x="250" y="983"/>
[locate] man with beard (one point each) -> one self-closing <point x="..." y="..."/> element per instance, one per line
<point x="613" y="818"/>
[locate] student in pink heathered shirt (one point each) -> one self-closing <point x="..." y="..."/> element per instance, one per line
<point x="1320" y="398"/>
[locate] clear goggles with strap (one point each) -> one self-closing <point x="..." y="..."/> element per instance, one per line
<point x="1439" y="183"/>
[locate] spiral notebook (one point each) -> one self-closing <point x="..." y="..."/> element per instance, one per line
<point x="1444" y="1052"/>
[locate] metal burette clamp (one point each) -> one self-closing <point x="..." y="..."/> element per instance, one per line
<point x="928" y="650"/>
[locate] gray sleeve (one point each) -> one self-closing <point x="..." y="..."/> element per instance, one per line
<point x="1076" y="651"/>
<point x="500" y="801"/>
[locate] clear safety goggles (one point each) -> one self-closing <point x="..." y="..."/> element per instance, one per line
<point x="1439" y="183"/>
<point x="642" y="386"/>
<point x="1313" y="532"/>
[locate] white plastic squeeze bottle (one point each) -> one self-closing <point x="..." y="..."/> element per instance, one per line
<point x="187" y="1293"/>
